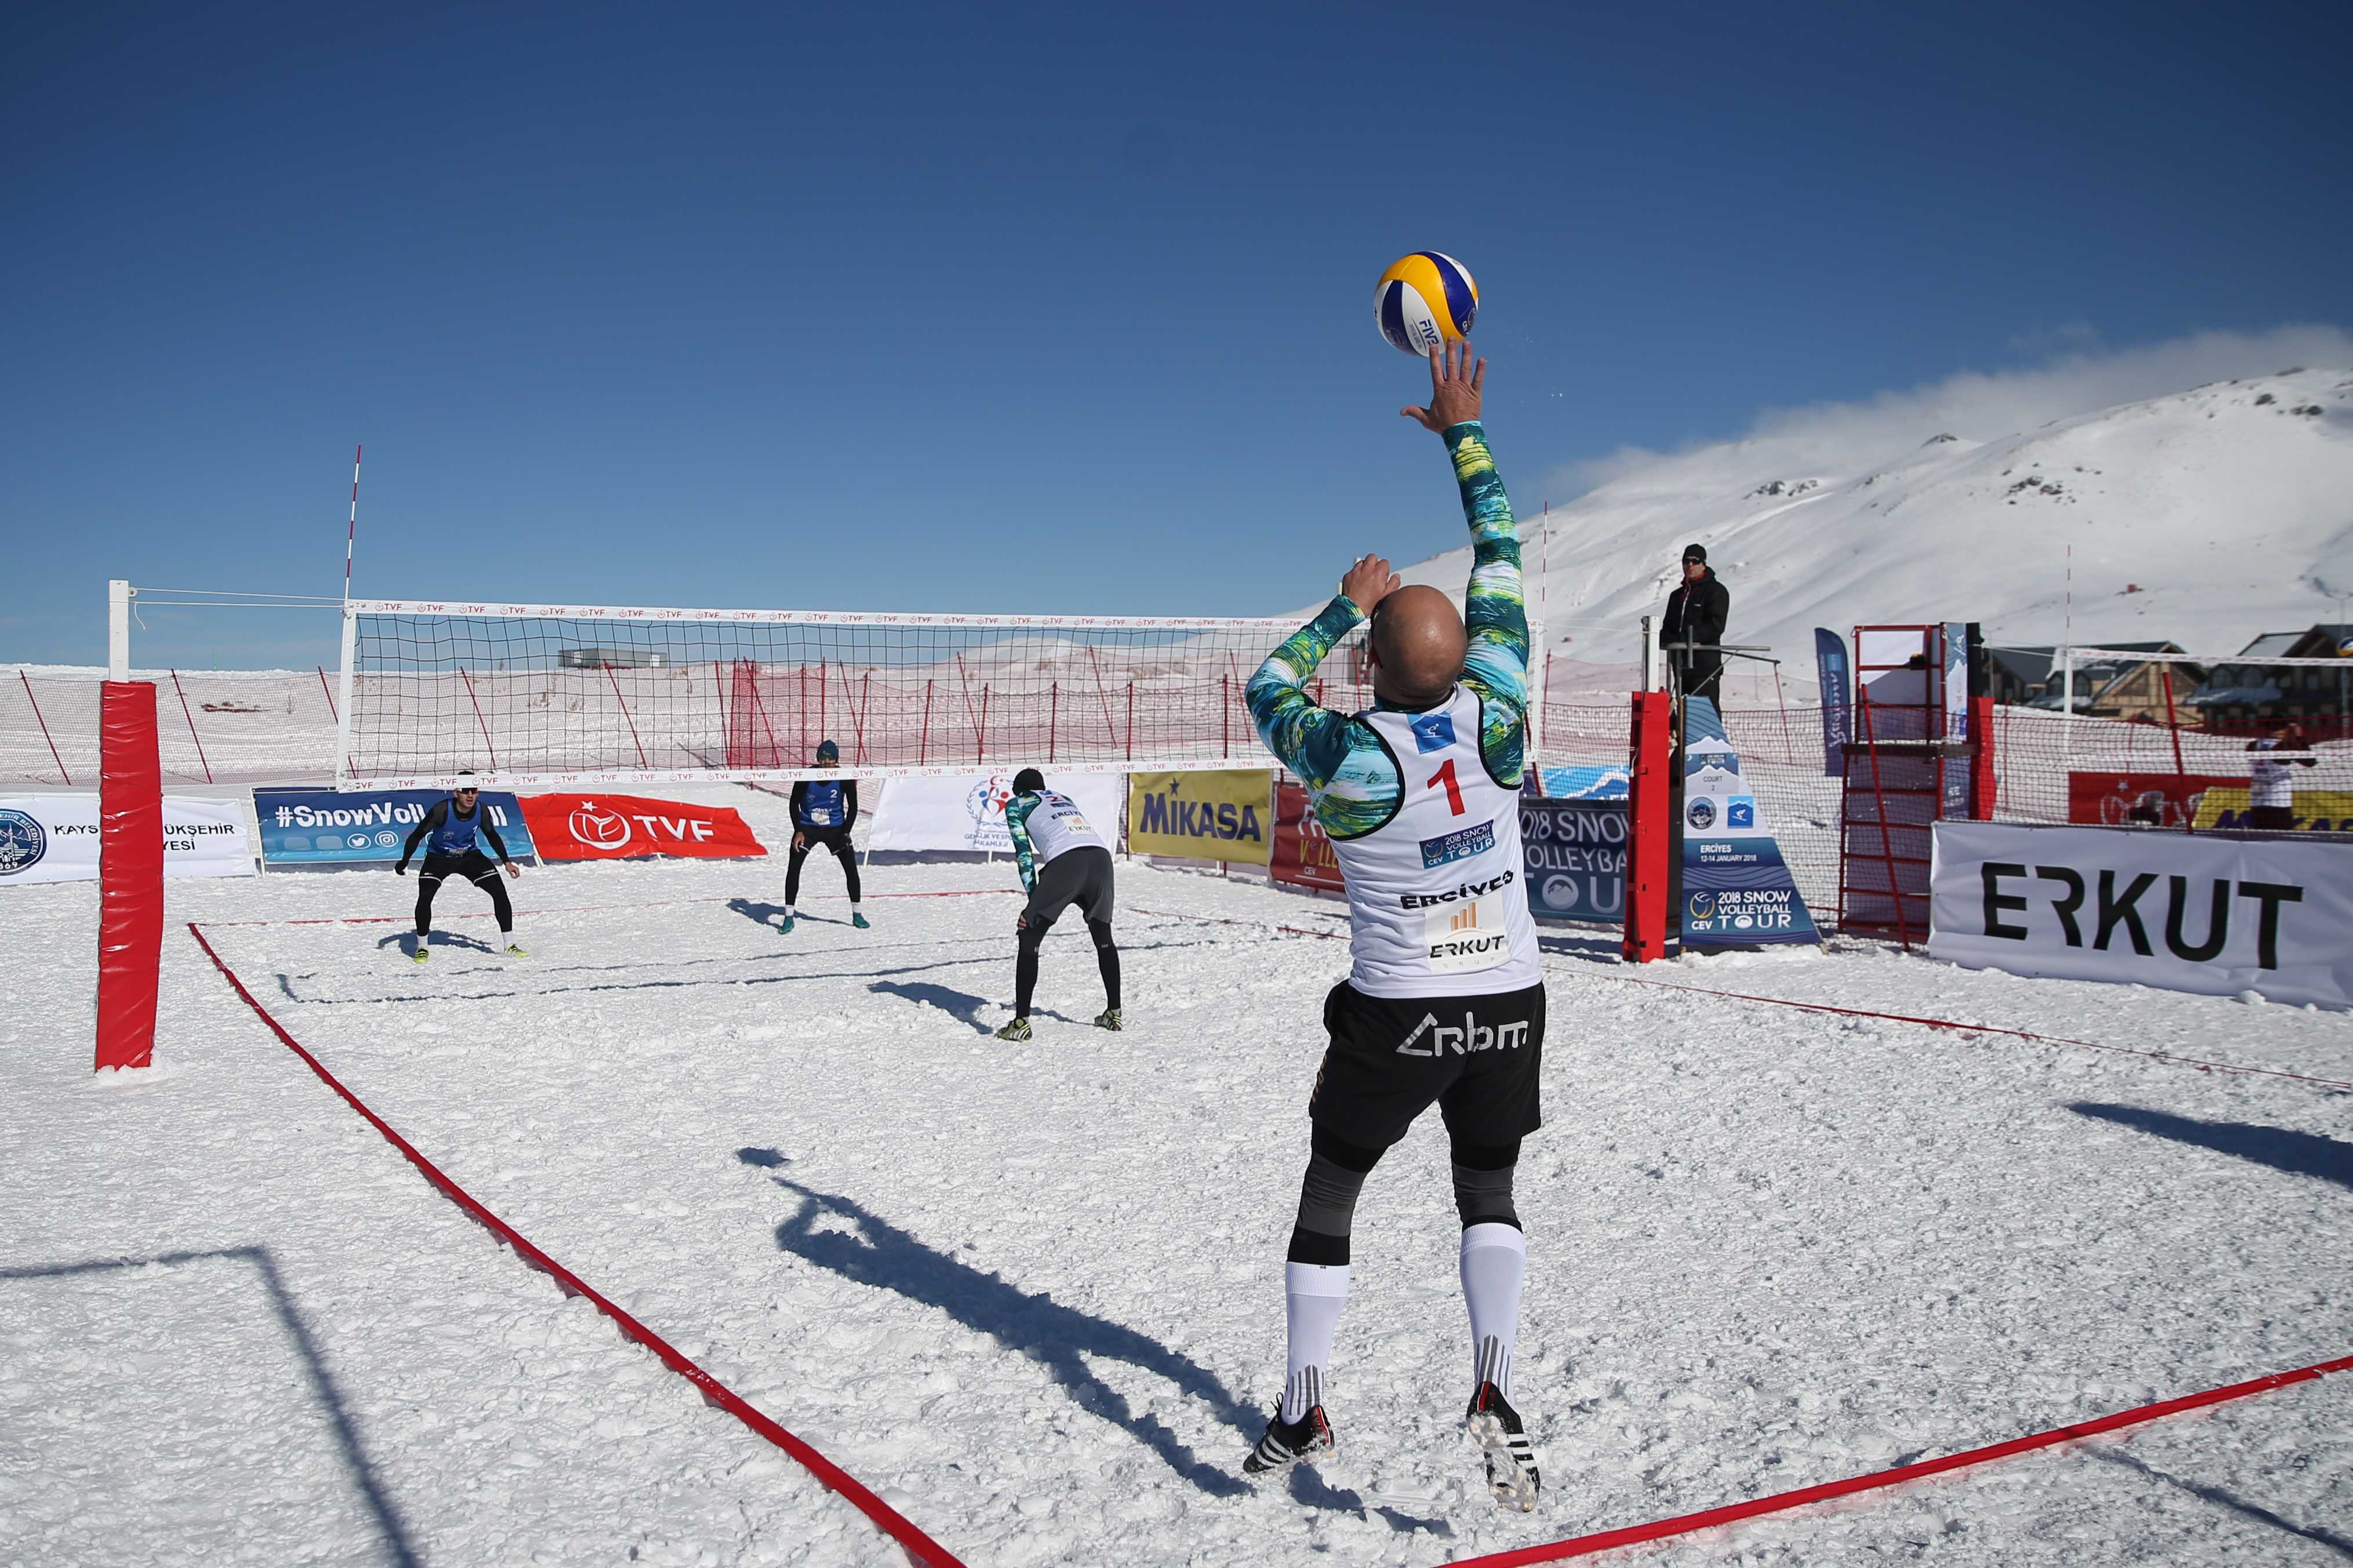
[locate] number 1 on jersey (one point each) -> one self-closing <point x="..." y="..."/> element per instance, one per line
<point x="1445" y="776"/>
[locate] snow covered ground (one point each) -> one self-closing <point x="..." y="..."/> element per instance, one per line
<point x="1033" y="1294"/>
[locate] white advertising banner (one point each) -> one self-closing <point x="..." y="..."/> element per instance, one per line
<point x="2185" y="911"/>
<point x="968" y="812"/>
<point x="54" y="838"/>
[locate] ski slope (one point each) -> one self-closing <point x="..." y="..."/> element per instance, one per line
<point x="1031" y="1295"/>
<point x="2207" y="516"/>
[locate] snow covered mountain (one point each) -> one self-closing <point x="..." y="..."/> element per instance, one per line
<point x="2205" y="516"/>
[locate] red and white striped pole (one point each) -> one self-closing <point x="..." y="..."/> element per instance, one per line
<point x="351" y="536"/>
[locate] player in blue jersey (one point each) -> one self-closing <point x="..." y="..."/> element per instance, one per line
<point x="1063" y="861"/>
<point x="452" y="832"/>
<point x="824" y="811"/>
<point x="1444" y="1003"/>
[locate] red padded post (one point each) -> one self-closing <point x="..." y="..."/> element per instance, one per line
<point x="129" y="874"/>
<point x="1986" y="782"/>
<point x="1648" y="832"/>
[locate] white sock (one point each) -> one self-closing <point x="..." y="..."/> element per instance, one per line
<point x="791" y="913"/>
<point x="1312" y="1295"/>
<point x="1494" y="1261"/>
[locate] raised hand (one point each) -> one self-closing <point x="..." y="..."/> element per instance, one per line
<point x="1369" y="581"/>
<point x="1454" y="383"/>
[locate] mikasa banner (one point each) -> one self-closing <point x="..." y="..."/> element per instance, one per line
<point x="1222" y="815"/>
<point x="2186" y="912"/>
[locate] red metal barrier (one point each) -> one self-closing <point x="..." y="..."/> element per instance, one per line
<point x="129" y="874"/>
<point x="1985" y="783"/>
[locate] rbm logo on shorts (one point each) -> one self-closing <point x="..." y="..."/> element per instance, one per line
<point x="1460" y="845"/>
<point x="1433" y="732"/>
<point x="1432" y="1038"/>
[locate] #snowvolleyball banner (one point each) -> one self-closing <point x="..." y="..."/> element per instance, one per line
<point x="54" y="838"/>
<point x="967" y="811"/>
<point x="2185" y="911"/>
<point x="1223" y="815"/>
<point x="322" y="827"/>
<point x="625" y="826"/>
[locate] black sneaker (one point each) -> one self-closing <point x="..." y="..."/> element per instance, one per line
<point x="1511" y="1462"/>
<point x="1287" y="1442"/>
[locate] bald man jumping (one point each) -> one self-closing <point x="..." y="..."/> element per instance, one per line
<point x="1444" y="1002"/>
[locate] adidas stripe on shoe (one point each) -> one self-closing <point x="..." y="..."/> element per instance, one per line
<point x="1288" y="1443"/>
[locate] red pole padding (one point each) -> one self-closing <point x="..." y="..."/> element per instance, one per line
<point x="129" y="873"/>
<point x="1648" y="831"/>
<point x="1986" y="782"/>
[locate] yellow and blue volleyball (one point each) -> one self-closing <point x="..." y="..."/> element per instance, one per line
<point x="1426" y="300"/>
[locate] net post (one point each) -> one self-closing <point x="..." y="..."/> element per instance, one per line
<point x="129" y="874"/>
<point x="1647" y="836"/>
<point x="117" y="630"/>
<point x="346" y="765"/>
<point x="1984" y="789"/>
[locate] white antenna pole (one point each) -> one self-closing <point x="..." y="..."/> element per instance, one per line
<point x="351" y="537"/>
<point x="2067" y="663"/>
<point x="118" y="630"/>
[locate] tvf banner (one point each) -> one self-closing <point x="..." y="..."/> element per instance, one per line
<point x="320" y="826"/>
<point x="2182" y="910"/>
<point x="54" y="838"/>
<point x="1303" y="852"/>
<point x="1221" y="816"/>
<point x="624" y="826"/>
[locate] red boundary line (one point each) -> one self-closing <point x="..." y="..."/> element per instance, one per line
<point x="920" y="1546"/>
<point x="1731" y="1513"/>
<point x="588" y="908"/>
<point x="2166" y="1057"/>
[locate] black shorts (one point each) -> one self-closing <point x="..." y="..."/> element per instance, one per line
<point x="836" y="838"/>
<point x="1479" y="1057"/>
<point x="1081" y="877"/>
<point x="474" y="866"/>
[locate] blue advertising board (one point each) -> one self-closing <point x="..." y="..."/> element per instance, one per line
<point x="1736" y="889"/>
<point x="1838" y="701"/>
<point x="320" y="826"/>
<point x="1574" y="853"/>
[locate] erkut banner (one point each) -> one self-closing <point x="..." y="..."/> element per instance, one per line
<point x="2186" y="912"/>
<point x="625" y="826"/>
<point x="1221" y="816"/>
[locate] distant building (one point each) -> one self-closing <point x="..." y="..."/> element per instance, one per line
<point x="2242" y="698"/>
<point x="2126" y="688"/>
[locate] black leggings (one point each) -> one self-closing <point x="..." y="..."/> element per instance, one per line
<point x="1025" y="963"/>
<point x="807" y="839"/>
<point x="473" y="865"/>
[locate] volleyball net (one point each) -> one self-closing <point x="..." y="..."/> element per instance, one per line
<point x="524" y="695"/>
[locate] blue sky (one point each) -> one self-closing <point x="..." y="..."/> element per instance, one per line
<point x="1039" y="308"/>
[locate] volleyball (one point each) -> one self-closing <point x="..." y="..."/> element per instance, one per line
<point x="1425" y="300"/>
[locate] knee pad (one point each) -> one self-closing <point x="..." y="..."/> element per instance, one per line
<point x="1485" y="1196"/>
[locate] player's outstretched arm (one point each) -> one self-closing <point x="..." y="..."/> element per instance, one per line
<point x="1495" y="610"/>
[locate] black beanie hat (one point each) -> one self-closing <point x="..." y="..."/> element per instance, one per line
<point x="1028" y="780"/>
<point x="828" y="751"/>
<point x="1695" y="552"/>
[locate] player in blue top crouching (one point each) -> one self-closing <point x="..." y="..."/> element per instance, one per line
<point x="448" y="832"/>
<point x="824" y="811"/>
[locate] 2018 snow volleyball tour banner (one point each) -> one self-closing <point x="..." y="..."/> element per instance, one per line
<point x="2188" y="913"/>
<point x="1575" y="856"/>
<point x="966" y="811"/>
<point x="54" y="838"/>
<point x="318" y="827"/>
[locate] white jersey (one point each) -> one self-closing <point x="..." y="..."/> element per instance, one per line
<point x="1056" y="826"/>
<point x="1436" y="904"/>
<point x="2269" y="784"/>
